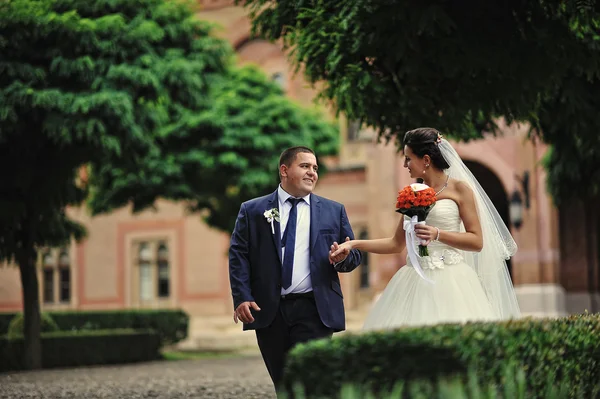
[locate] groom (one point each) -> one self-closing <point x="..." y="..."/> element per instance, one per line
<point x="282" y="282"/>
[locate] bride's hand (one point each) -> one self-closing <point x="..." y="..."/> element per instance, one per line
<point x="426" y="233"/>
<point x="339" y="252"/>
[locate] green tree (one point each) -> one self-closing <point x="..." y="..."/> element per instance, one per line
<point x="397" y="64"/>
<point x="216" y="159"/>
<point x="82" y="82"/>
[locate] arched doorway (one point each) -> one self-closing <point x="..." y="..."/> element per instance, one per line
<point x="495" y="190"/>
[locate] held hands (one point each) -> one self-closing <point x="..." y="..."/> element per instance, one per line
<point x="426" y="233"/>
<point x="243" y="314"/>
<point x="339" y="252"/>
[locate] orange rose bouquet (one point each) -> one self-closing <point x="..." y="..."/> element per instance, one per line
<point x="415" y="201"/>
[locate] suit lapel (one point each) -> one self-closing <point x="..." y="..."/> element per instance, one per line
<point x="274" y="203"/>
<point x="315" y="216"/>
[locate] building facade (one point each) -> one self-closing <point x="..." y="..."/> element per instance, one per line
<point x="169" y="259"/>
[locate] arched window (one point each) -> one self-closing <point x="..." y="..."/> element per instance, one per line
<point x="56" y="276"/>
<point x="47" y="259"/>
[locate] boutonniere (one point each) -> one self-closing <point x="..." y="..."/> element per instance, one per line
<point x="272" y="215"/>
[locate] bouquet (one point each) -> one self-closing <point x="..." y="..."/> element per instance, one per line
<point x="415" y="201"/>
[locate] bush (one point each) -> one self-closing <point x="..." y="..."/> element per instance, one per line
<point x="566" y="349"/>
<point x="5" y="319"/>
<point x="84" y="348"/>
<point x="513" y="387"/>
<point x="170" y="325"/>
<point x="15" y="328"/>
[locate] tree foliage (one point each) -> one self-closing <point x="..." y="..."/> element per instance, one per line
<point x="569" y="123"/>
<point x="220" y="156"/>
<point x="82" y="82"/>
<point x="457" y="66"/>
<point x="140" y="94"/>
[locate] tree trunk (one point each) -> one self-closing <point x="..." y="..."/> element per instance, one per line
<point x="31" y="304"/>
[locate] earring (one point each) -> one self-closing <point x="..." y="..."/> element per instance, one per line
<point x="426" y="165"/>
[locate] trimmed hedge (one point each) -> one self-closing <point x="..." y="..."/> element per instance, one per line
<point x="84" y="348"/>
<point x="170" y="325"/>
<point x="5" y="319"/>
<point x="513" y="387"/>
<point x="567" y="349"/>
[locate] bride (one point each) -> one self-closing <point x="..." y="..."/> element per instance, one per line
<point x="465" y="277"/>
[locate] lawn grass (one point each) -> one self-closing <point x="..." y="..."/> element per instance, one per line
<point x="174" y="355"/>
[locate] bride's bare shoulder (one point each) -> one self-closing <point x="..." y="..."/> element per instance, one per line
<point x="463" y="190"/>
<point x="460" y="186"/>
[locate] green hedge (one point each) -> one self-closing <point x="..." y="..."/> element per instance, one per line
<point x="567" y="349"/>
<point x="170" y="325"/>
<point x="5" y="319"/>
<point x="84" y="348"/>
<point x="513" y="387"/>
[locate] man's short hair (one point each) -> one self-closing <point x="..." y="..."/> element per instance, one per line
<point x="288" y="156"/>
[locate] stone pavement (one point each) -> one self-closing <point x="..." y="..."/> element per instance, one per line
<point x="241" y="377"/>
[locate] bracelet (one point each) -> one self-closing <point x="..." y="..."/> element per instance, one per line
<point x="438" y="235"/>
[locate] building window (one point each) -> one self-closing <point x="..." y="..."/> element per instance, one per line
<point x="353" y="130"/>
<point x="48" y="285"/>
<point x="364" y="267"/>
<point x="162" y="257"/>
<point x="153" y="270"/>
<point x="145" y="271"/>
<point x="56" y="276"/>
<point x="65" y="284"/>
<point x="64" y="277"/>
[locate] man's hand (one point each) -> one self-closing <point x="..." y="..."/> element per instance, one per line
<point x="338" y="253"/>
<point x="243" y="314"/>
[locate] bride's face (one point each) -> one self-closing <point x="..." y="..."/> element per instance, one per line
<point x="413" y="163"/>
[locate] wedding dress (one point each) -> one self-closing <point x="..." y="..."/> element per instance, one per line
<point x="454" y="286"/>
<point x="456" y="296"/>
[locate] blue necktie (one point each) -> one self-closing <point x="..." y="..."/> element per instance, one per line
<point x="289" y="242"/>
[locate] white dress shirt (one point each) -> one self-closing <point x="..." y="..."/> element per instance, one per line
<point x="301" y="281"/>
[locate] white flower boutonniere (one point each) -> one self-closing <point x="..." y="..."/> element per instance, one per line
<point x="272" y="215"/>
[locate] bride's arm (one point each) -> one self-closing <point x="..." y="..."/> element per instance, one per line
<point x="391" y="245"/>
<point x="472" y="238"/>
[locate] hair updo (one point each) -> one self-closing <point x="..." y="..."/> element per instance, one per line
<point x="424" y="141"/>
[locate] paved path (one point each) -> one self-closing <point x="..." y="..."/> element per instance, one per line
<point x="242" y="377"/>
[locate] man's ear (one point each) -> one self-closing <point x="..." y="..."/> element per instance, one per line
<point x="283" y="170"/>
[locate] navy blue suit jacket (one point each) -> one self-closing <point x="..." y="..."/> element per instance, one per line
<point x="255" y="259"/>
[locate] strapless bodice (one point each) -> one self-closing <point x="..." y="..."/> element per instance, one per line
<point x="445" y="216"/>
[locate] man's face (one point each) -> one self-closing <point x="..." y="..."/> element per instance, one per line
<point x="300" y="178"/>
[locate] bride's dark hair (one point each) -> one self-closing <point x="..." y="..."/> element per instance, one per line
<point x="424" y="141"/>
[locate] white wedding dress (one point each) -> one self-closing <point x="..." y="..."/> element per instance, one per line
<point x="456" y="297"/>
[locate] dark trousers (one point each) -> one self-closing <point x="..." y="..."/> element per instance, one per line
<point x="296" y="321"/>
